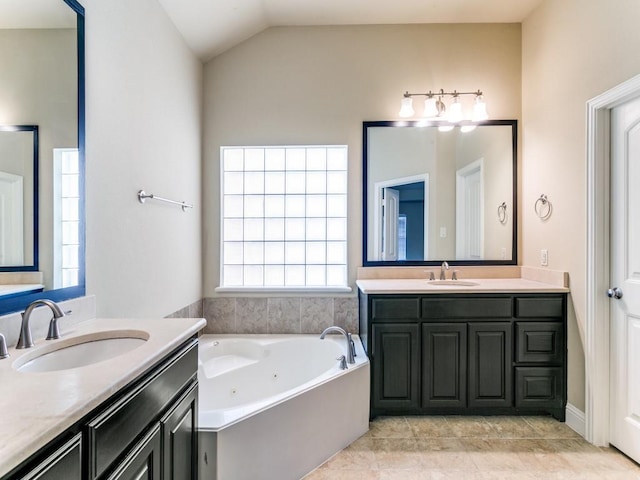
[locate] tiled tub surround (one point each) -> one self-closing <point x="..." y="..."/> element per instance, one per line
<point x="193" y="310"/>
<point x="247" y="315"/>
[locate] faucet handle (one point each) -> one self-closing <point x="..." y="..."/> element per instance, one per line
<point x="3" y="347"/>
<point x="454" y="275"/>
<point x="343" y="362"/>
<point x="432" y="276"/>
<point x="54" y="330"/>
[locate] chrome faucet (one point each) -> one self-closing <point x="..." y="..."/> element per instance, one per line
<point x="443" y="267"/>
<point x="25" y="340"/>
<point x="350" y="345"/>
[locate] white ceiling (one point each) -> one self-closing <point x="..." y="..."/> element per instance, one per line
<point x="212" y="26"/>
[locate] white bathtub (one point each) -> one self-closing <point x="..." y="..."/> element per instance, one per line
<point x="277" y="406"/>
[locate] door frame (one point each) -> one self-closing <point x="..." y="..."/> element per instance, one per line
<point x="377" y="196"/>
<point x="597" y="355"/>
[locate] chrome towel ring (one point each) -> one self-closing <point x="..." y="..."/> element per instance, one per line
<point x="543" y="207"/>
<point x="502" y="213"/>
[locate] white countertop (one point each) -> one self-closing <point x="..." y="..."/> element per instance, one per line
<point x="484" y="285"/>
<point x="36" y="407"/>
<point x="19" y="288"/>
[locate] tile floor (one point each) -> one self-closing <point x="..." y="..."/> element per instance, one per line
<point x="470" y="448"/>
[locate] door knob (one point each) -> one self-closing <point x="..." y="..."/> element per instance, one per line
<point x="614" y="293"/>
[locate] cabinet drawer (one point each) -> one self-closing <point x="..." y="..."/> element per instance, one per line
<point x="539" y="387"/>
<point x="391" y="308"/>
<point x="464" y="307"/>
<point x="540" y="342"/>
<point x="111" y="432"/>
<point x="541" y="307"/>
<point x="64" y="464"/>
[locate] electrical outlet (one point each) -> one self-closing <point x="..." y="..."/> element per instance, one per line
<point x="503" y="253"/>
<point x="443" y="232"/>
<point x="544" y="257"/>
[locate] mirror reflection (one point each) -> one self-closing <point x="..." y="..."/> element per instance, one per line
<point x="436" y="192"/>
<point x="42" y="85"/>
<point x="18" y="195"/>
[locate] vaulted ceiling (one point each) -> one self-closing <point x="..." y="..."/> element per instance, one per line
<point x="212" y="26"/>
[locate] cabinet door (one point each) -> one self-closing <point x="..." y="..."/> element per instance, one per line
<point x="179" y="438"/>
<point x="143" y="461"/>
<point x="64" y="464"/>
<point x="396" y="359"/>
<point x="444" y="365"/>
<point x="540" y="387"/>
<point x="490" y="364"/>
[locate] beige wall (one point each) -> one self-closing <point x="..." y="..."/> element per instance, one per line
<point x="316" y="85"/>
<point x="573" y="50"/>
<point x="143" y="132"/>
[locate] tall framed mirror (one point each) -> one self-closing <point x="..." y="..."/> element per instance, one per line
<point x="18" y="197"/>
<point x="42" y="135"/>
<point x="434" y="191"/>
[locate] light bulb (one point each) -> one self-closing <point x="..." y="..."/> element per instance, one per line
<point x="430" y="107"/>
<point x="455" y="111"/>
<point x="406" y="110"/>
<point x="445" y="128"/>
<point x="467" y="128"/>
<point x="479" y="110"/>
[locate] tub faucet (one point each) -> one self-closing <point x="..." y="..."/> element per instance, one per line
<point x="347" y="336"/>
<point x="25" y="340"/>
<point x="443" y="267"/>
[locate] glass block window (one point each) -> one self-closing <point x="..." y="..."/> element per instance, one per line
<point x="284" y="216"/>
<point x="66" y="191"/>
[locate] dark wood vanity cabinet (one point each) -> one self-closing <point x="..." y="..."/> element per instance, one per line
<point x="148" y="430"/>
<point x="476" y="354"/>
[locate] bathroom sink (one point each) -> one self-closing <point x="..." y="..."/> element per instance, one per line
<point x="80" y="351"/>
<point x="454" y="283"/>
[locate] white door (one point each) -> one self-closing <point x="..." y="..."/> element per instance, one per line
<point x="469" y="212"/>
<point x="625" y="279"/>
<point x="390" y="214"/>
<point x="11" y="221"/>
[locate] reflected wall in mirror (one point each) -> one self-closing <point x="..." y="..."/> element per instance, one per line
<point x="42" y="83"/>
<point x="18" y="196"/>
<point x="435" y="192"/>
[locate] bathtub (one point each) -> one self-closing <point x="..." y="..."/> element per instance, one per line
<point x="277" y="406"/>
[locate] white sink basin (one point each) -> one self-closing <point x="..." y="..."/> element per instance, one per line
<point x="454" y="283"/>
<point x="80" y="351"/>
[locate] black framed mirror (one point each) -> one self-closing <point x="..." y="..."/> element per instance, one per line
<point x="43" y="85"/>
<point x="18" y="198"/>
<point x="434" y="192"/>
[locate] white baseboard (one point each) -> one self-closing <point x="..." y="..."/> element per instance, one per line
<point x="575" y="419"/>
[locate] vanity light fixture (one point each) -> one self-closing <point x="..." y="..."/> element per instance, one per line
<point x="435" y="108"/>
